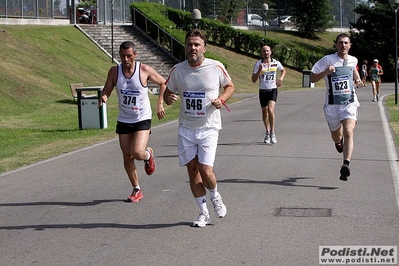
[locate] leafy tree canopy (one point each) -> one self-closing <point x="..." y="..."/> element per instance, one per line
<point x="373" y="36"/>
<point x="312" y="17"/>
<point x="86" y="3"/>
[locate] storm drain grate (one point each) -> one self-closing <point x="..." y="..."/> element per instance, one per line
<point x="303" y="212"/>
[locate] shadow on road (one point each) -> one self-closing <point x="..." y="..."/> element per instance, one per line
<point x="289" y="181"/>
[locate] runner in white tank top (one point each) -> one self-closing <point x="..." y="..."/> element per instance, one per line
<point x="134" y="104"/>
<point x="134" y="117"/>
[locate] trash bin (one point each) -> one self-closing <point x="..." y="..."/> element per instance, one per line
<point x="306" y="79"/>
<point x="90" y="115"/>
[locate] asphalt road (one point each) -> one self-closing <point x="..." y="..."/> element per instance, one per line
<point x="283" y="200"/>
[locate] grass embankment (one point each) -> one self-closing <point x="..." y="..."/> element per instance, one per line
<point x="39" y="117"/>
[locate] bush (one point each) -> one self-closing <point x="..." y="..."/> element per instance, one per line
<point x="177" y="23"/>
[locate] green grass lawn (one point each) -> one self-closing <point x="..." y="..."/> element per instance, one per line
<point x="38" y="115"/>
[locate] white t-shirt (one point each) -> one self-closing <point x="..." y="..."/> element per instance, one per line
<point x="268" y="76"/>
<point x="197" y="87"/>
<point x="332" y="82"/>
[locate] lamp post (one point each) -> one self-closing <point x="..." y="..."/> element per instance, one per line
<point x="196" y="17"/>
<point x="214" y="9"/>
<point x="112" y="30"/>
<point x="396" y="48"/>
<point x="340" y="13"/>
<point x="265" y="8"/>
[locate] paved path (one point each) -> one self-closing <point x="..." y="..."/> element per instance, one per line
<point x="70" y="210"/>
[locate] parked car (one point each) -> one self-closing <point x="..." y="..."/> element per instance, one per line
<point x="284" y="20"/>
<point x="256" y="20"/>
<point x="214" y="17"/>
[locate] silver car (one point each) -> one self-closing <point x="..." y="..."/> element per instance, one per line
<point x="256" y="20"/>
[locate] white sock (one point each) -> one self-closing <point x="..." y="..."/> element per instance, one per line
<point x="201" y="201"/>
<point x="138" y="187"/>
<point x="213" y="192"/>
<point x="149" y="156"/>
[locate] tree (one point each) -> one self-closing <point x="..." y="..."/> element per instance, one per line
<point x="343" y="11"/>
<point x="312" y="17"/>
<point x="86" y="3"/>
<point x="229" y="9"/>
<point x="373" y="36"/>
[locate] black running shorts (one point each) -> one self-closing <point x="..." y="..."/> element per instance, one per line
<point x="267" y="95"/>
<point x="128" y="128"/>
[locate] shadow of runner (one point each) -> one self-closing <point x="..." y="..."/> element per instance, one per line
<point x="61" y="203"/>
<point x="289" y="182"/>
<point x="42" y="227"/>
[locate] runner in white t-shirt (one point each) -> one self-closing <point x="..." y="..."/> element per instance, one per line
<point x="198" y="81"/>
<point x="340" y="104"/>
<point x="265" y="70"/>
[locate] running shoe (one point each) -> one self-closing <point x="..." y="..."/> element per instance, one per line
<point x="375" y="99"/>
<point x="149" y="165"/>
<point x="202" y="220"/>
<point x="267" y="139"/>
<point x="136" y="196"/>
<point x="345" y="172"/>
<point x="218" y="206"/>
<point x="339" y="146"/>
<point x="273" y="139"/>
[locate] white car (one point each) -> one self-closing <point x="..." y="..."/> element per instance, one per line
<point x="256" y="20"/>
<point x="283" y="20"/>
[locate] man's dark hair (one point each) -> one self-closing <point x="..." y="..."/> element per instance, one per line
<point x="126" y="45"/>
<point x="342" y="35"/>
<point x="198" y="33"/>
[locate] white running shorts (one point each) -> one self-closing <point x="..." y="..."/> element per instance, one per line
<point x="336" y="113"/>
<point x="197" y="142"/>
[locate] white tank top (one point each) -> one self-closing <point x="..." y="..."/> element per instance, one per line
<point x="134" y="104"/>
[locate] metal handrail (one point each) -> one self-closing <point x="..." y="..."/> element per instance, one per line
<point x="159" y="36"/>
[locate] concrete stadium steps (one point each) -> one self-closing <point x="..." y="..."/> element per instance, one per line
<point x="148" y="51"/>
